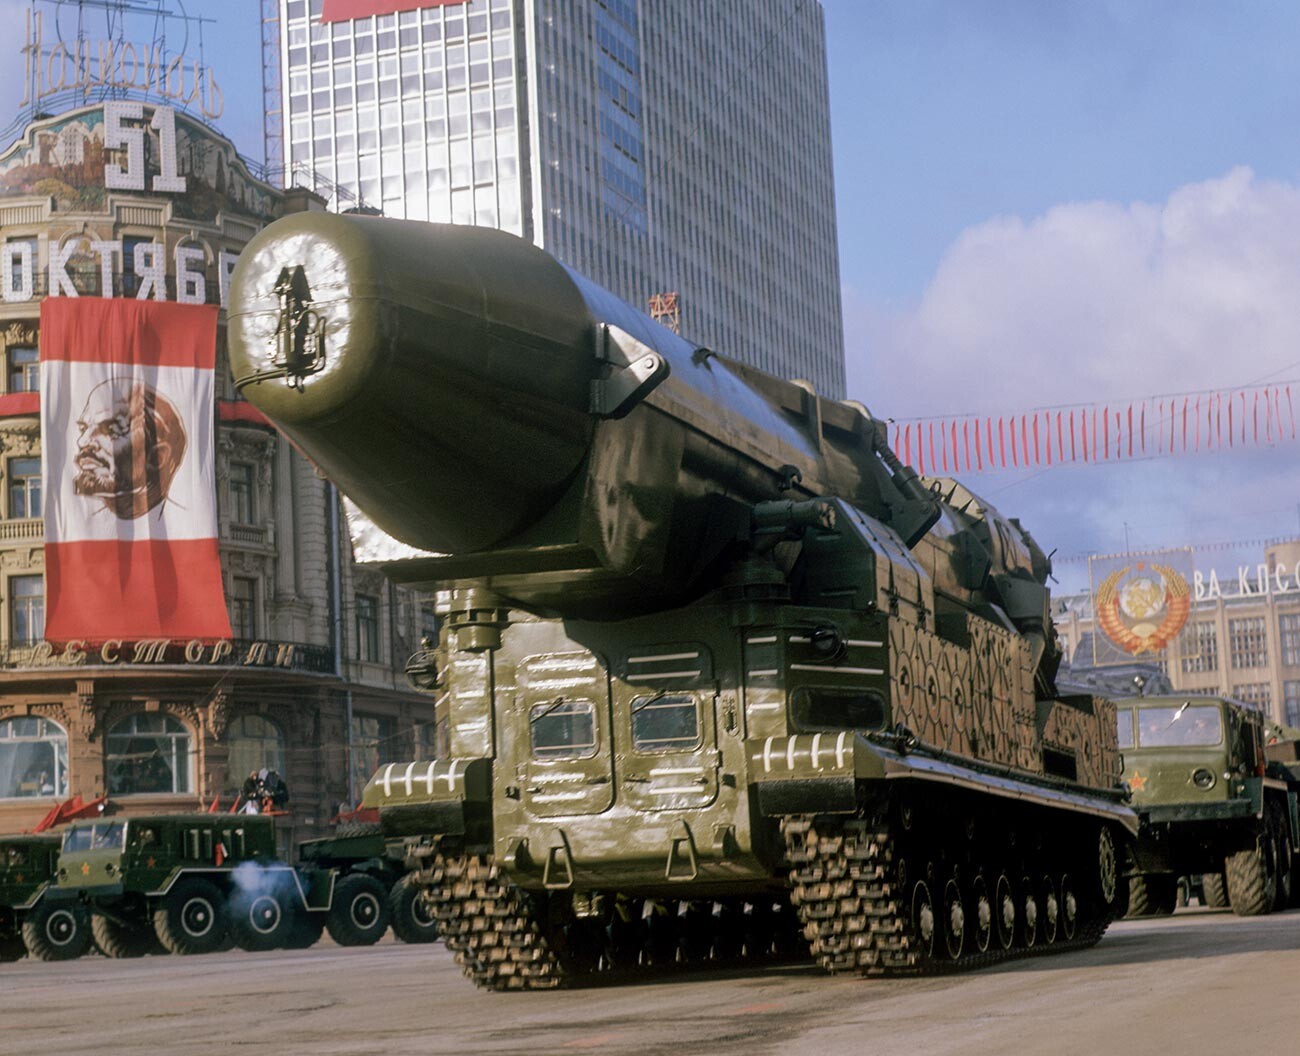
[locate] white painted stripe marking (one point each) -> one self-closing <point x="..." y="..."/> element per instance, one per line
<point x="409" y="768"/>
<point x="451" y="776"/>
<point x="428" y="776"/>
<point x="767" y="755"/>
<point x="817" y="751"/>
<point x="664" y="674"/>
<point x="838" y="670"/>
<point x="767" y="672"/>
<point x="665" y="656"/>
<point x="839" y="750"/>
<point x="767" y="707"/>
<point x="388" y="779"/>
<point x="768" y="640"/>
<point x="864" y="642"/>
<point x="789" y="753"/>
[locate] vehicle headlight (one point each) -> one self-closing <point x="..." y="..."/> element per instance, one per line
<point x="1202" y="778"/>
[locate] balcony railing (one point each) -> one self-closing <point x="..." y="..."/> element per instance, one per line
<point x="31" y="530"/>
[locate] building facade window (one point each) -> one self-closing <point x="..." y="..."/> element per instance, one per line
<point x="24" y="369"/>
<point x="1256" y="695"/>
<point x="21" y="259"/>
<point x="33" y="758"/>
<point x="1202" y="648"/>
<point x="241" y="494"/>
<point x="1247" y="642"/>
<point x="148" y="753"/>
<point x="367" y="628"/>
<point x="1291" y="703"/>
<point x="255" y="743"/>
<point x="374" y="743"/>
<point x="243" y="607"/>
<point x="26" y="609"/>
<point x="24" y="488"/>
<point x="1288" y="626"/>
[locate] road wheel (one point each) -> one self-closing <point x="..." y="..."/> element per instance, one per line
<point x="191" y="918"/>
<point x="57" y="931"/>
<point x="12" y="947"/>
<point x="304" y="929"/>
<point x="259" y="920"/>
<point x="1152" y="894"/>
<point x="1282" y="845"/>
<point x="359" y="913"/>
<point x="1252" y="878"/>
<point x="1216" y="890"/>
<point x="412" y="916"/>
<point x="120" y="940"/>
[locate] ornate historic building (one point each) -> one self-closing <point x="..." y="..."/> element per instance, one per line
<point x="134" y="200"/>
<point x="1241" y="639"/>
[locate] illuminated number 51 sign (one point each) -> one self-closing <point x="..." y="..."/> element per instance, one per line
<point x="118" y="136"/>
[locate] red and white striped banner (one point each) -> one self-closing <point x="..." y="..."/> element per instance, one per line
<point x="130" y="495"/>
<point x="1155" y="426"/>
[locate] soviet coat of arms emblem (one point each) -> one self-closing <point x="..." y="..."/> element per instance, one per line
<point x="1142" y="607"/>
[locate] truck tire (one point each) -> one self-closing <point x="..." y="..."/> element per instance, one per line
<point x="304" y="929"/>
<point x="191" y="918"/>
<point x="12" y="947"/>
<point x="359" y="913"/>
<point x="119" y="941"/>
<point x="259" y="920"/>
<point x="412" y="916"/>
<point x="57" y="931"/>
<point x="1152" y="894"/>
<point x="1252" y="878"/>
<point x="1282" y="847"/>
<point x="1216" y="891"/>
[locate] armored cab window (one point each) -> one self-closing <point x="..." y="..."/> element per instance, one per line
<point x="666" y="722"/>
<point x="109" y="834"/>
<point x="77" y="840"/>
<point x="824" y="708"/>
<point x="563" y="729"/>
<point x="1124" y="724"/>
<point x="1182" y="726"/>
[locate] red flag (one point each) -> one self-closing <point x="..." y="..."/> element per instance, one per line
<point x="1144" y="426"/>
<point x="943" y="445"/>
<point x="1037" y="457"/>
<point x="1243" y="417"/>
<point x="1002" y="443"/>
<point x="1105" y="425"/>
<point x="988" y="432"/>
<point x="1060" y="437"/>
<point x="1230" y="429"/>
<point x="1083" y="422"/>
<point x="965" y="439"/>
<point x="953" y="434"/>
<point x="1268" y="416"/>
<point x="1130" y="430"/>
<point x="1254" y="413"/>
<point x="212" y="807"/>
<point x="1094" y="434"/>
<point x="219" y="854"/>
<point x="1218" y="419"/>
<point x="1024" y="439"/>
<point x="1011" y="429"/>
<point x="933" y="461"/>
<point x="1172" y="419"/>
<point x="1184" y="425"/>
<point x="979" y="453"/>
<point x="130" y="492"/>
<point x="1073" y="454"/>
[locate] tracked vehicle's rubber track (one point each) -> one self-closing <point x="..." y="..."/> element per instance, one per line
<point x="858" y="916"/>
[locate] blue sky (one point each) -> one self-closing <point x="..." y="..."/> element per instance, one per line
<point x="1039" y="202"/>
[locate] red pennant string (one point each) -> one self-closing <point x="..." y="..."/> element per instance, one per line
<point x="1074" y="457"/>
<point x="1105" y="425"/>
<point x="1002" y="444"/>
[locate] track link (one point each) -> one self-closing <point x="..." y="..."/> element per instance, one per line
<point x="859" y="918"/>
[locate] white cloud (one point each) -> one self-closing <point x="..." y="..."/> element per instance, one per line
<point x="1094" y="301"/>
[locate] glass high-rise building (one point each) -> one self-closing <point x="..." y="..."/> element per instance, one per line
<point x="657" y="146"/>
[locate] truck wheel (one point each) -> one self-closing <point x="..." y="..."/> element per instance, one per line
<point x="412" y="916"/>
<point x="1252" y="878"/>
<point x="259" y="920"/>
<point x="191" y="918"/>
<point x="1216" y="892"/>
<point x="1152" y="894"/>
<point x="57" y="931"/>
<point x="12" y="947"/>
<point x="359" y="914"/>
<point x="122" y="940"/>
<point x="304" y="929"/>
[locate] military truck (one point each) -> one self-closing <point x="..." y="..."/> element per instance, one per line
<point x="1210" y="802"/>
<point x="374" y="888"/>
<point x="721" y="671"/>
<point x="48" y="929"/>
<point x="188" y="883"/>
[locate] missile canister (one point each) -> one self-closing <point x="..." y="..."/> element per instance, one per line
<point x="712" y="652"/>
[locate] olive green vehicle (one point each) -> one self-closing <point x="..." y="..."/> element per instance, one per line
<point x="188" y="883"/>
<point x="720" y="675"/>
<point x="1210" y="801"/>
<point x="46" y="928"/>
<point x="373" y="888"/>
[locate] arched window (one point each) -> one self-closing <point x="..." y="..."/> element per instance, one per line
<point x="148" y="753"/>
<point x="255" y="743"/>
<point x="33" y="758"/>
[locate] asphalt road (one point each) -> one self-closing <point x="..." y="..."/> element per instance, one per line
<point x="1202" y="982"/>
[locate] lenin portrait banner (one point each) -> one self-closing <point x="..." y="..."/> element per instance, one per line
<point x="129" y="471"/>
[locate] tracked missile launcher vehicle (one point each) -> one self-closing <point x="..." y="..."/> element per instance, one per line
<point x="29" y="922"/>
<point x="720" y="674"/>
<point x="1215" y="798"/>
